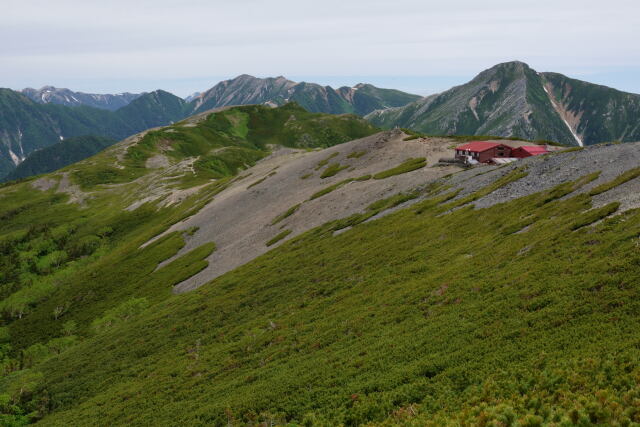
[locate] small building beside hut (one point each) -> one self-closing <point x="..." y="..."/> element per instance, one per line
<point x="528" y="151"/>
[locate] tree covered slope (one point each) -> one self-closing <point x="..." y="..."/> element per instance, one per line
<point x="511" y="99"/>
<point x="520" y="311"/>
<point x="26" y="126"/>
<point x="59" y="155"/>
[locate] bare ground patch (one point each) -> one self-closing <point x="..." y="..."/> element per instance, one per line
<point x="239" y="219"/>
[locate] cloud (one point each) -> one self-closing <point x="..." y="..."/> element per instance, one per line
<point x="152" y="41"/>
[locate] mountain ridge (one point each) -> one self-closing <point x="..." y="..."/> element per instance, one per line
<point x="56" y="156"/>
<point x="512" y="99"/>
<point x="421" y="294"/>
<point x="247" y="89"/>
<point x="64" y="96"/>
<point x="26" y="126"/>
<point x="46" y="123"/>
<point x="507" y="100"/>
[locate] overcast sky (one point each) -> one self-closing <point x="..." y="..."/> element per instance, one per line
<point x="422" y="46"/>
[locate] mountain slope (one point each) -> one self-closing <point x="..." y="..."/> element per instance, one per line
<point x="63" y="96"/>
<point x="59" y="155"/>
<point x="26" y="126"/>
<point x="596" y="113"/>
<point x="245" y="89"/>
<point x="493" y="295"/>
<point x="153" y="109"/>
<point x="511" y="99"/>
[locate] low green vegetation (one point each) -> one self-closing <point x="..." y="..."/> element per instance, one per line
<point x="278" y="237"/>
<point x="332" y="170"/>
<point x="337" y="185"/>
<point x="324" y="162"/>
<point x="570" y="149"/>
<point x="428" y="315"/>
<point x="286" y="214"/>
<point x="511" y="176"/>
<point x="70" y="272"/>
<point x="362" y="178"/>
<point x="261" y="180"/>
<point x="624" y="177"/>
<point x="103" y="174"/>
<point x="406" y="166"/>
<point x="429" y="319"/>
<point x="421" y="278"/>
<point x="121" y="313"/>
<point x="330" y="188"/>
<point x="356" y="154"/>
<point x="594" y="215"/>
<point x="412" y="134"/>
<point x="568" y="188"/>
<point x="372" y="210"/>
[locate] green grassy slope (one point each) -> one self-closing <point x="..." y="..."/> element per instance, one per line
<point x="426" y="316"/>
<point x="227" y="142"/>
<point x="70" y="271"/>
<point x="153" y="109"/>
<point x="59" y="155"/>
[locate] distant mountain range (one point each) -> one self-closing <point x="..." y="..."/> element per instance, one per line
<point x="507" y="100"/>
<point x="61" y="96"/>
<point x="512" y="99"/>
<point x="360" y="99"/>
<point x="27" y="125"/>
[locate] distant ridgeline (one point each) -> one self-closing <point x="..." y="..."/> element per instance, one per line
<point x="27" y="126"/>
<point x="56" y="156"/>
<point x="35" y="119"/>
<point x="508" y="100"/>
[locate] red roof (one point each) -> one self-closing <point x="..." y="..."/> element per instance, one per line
<point x="478" y="146"/>
<point x="534" y="149"/>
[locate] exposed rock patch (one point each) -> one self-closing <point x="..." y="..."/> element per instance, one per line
<point x="44" y="184"/>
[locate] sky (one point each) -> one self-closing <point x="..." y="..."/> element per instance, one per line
<point x="420" y="46"/>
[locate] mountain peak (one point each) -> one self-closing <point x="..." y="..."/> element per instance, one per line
<point x="511" y="99"/>
<point x="243" y="77"/>
<point x="508" y="67"/>
<point x="512" y="64"/>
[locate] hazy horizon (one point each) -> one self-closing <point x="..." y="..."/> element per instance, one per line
<point x="415" y="46"/>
